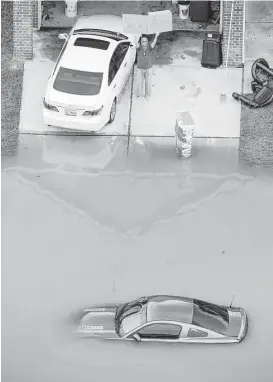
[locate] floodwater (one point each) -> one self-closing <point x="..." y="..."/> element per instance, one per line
<point x="88" y="221"/>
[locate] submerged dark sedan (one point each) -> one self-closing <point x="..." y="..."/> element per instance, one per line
<point x="166" y="319"/>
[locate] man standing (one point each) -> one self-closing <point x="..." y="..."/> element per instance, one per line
<point x="144" y="65"/>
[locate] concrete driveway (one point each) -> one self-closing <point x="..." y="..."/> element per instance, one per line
<point x="201" y="97"/>
<point x="177" y="63"/>
<point x="31" y="120"/>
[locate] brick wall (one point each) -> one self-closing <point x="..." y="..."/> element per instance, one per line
<point x="22" y="29"/>
<point x="235" y="57"/>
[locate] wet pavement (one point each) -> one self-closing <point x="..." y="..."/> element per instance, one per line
<point x="56" y="12"/>
<point x="89" y="220"/>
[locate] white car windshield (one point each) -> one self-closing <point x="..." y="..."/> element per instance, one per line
<point x="78" y="82"/>
<point x="130" y="323"/>
<point x="131" y="315"/>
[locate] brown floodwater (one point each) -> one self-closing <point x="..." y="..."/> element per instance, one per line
<point x="86" y="221"/>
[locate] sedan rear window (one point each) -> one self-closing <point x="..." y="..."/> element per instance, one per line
<point x="78" y="82"/>
<point x="210" y="316"/>
<point x="101" y="32"/>
<point x="92" y="43"/>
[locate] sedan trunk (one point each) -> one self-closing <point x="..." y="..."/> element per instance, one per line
<point x="235" y="322"/>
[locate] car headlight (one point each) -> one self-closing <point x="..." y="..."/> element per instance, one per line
<point x="93" y="112"/>
<point x="49" y="107"/>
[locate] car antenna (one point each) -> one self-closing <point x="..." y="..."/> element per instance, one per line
<point x="232" y="300"/>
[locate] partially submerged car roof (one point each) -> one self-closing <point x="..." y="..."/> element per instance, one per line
<point x="170" y="308"/>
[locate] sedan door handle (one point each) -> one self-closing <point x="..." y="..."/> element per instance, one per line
<point x="125" y="64"/>
<point x="115" y="86"/>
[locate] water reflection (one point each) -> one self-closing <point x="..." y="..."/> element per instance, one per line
<point x="132" y="186"/>
<point x="93" y="153"/>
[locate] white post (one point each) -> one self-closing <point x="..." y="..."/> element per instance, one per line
<point x="39" y="14"/>
<point x="229" y="33"/>
<point x="243" y="48"/>
<point x="244" y="31"/>
<point x="221" y="16"/>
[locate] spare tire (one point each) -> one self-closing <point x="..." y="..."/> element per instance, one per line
<point x="254" y="70"/>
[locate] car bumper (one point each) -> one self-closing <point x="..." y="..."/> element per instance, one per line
<point x="90" y="124"/>
<point x="244" y="329"/>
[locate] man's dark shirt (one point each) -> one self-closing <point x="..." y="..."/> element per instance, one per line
<point x="145" y="57"/>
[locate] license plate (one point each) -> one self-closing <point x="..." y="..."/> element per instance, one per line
<point x="71" y="112"/>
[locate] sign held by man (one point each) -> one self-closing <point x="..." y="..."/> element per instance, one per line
<point x="135" y="24"/>
<point x="161" y="21"/>
<point x="154" y="22"/>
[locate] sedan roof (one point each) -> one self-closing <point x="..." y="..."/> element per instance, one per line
<point x="86" y="58"/>
<point x="166" y="308"/>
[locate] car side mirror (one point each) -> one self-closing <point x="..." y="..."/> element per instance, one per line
<point x="137" y="337"/>
<point x="63" y="36"/>
<point x="131" y="45"/>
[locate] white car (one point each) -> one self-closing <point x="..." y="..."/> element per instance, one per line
<point x="90" y="74"/>
<point x="164" y="318"/>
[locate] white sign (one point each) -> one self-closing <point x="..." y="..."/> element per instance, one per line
<point x="135" y="24"/>
<point x="161" y="21"/>
<point x="154" y="22"/>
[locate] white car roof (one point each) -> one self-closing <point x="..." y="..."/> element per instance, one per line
<point x="85" y="58"/>
<point x="111" y="23"/>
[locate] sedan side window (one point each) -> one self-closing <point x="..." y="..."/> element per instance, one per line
<point x="124" y="46"/>
<point x="113" y="67"/>
<point x="160" y="331"/>
<point x="117" y="59"/>
<point x="194" y="333"/>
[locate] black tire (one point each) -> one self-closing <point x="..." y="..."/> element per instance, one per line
<point x="113" y="111"/>
<point x="255" y="70"/>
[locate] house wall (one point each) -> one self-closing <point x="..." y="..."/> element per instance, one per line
<point x="236" y="50"/>
<point x="22" y="29"/>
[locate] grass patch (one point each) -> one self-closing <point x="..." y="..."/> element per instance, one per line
<point x="256" y="143"/>
<point x="11" y="83"/>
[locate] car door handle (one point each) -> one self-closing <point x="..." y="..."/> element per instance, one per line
<point x="115" y="86"/>
<point x="125" y="64"/>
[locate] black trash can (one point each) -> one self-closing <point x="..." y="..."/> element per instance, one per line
<point x="212" y="51"/>
<point x="200" y="11"/>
